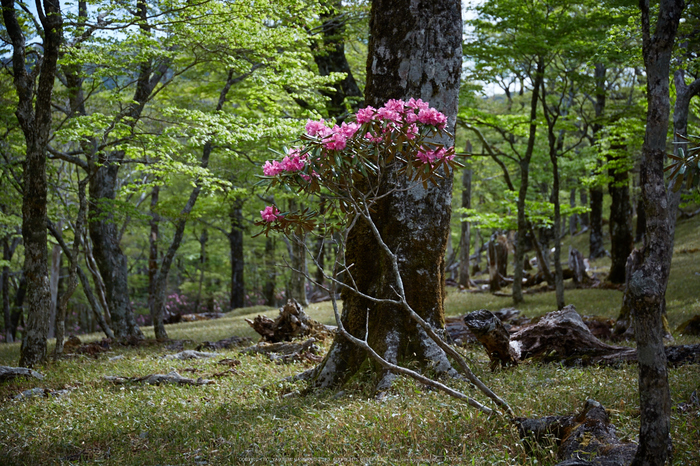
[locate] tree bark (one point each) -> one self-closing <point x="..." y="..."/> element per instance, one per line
<point x="621" y="240"/>
<point x="154" y="225"/>
<point x="596" y="248"/>
<point x="329" y="56"/>
<point x="414" y="51"/>
<point x="34" y="116"/>
<point x="235" y="239"/>
<point x="651" y="264"/>
<point x="523" y="224"/>
<point x="297" y="257"/>
<point x="465" y="234"/>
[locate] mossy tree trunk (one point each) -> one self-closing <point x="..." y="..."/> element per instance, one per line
<point x="414" y="51"/>
<point x="34" y="117"/>
<point x="650" y="265"/>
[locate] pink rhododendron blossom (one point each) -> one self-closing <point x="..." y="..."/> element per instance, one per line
<point x="389" y="115"/>
<point x="430" y="156"/>
<point x="417" y="104"/>
<point x="273" y="168"/>
<point x="317" y="128"/>
<point x="294" y="161"/>
<point x="269" y="214"/>
<point x="365" y="115"/>
<point x="431" y="116"/>
<point x="336" y="141"/>
<point x="412" y="131"/>
<point x="349" y="129"/>
<point x="373" y="138"/>
<point x="395" y="105"/>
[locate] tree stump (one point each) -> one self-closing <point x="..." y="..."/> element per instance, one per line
<point x="498" y="262"/>
<point x="489" y="330"/>
<point x="291" y="323"/>
<point x="578" y="268"/>
<point x="586" y="435"/>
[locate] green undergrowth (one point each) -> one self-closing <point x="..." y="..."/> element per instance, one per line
<point x="251" y="416"/>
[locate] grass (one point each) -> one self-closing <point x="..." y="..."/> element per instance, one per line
<point x="253" y="417"/>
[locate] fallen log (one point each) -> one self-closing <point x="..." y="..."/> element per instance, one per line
<point x="563" y="336"/>
<point x="9" y="373"/>
<point x="285" y="352"/>
<point x="157" y="379"/>
<point x="690" y="326"/>
<point x="190" y="354"/>
<point x="581" y="437"/>
<point x="226" y="343"/>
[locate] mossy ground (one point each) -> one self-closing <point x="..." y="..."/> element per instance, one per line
<point x="245" y="418"/>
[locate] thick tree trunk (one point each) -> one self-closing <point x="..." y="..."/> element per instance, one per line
<point x="651" y="264"/>
<point x="621" y="240"/>
<point x="465" y="234"/>
<point x="235" y="239"/>
<point x="414" y="51"/>
<point x="34" y="116"/>
<point x="111" y="261"/>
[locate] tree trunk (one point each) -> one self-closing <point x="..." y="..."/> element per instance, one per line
<point x="465" y="234"/>
<point x="111" y="261"/>
<point x="269" y="286"/>
<point x="34" y="116"/>
<point x="583" y="198"/>
<point x="596" y="248"/>
<point x="651" y="264"/>
<point x="621" y="240"/>
<point x="523" y="224"/>
<point x="330" y="58"/>
<point x="87" y="289"/>
<point x="154" y="224"/>
<point x="73" y="273"/>
<point x="54" y="279"/>
<point x="574" y="219"/>
<point x="7" y="316"/>
<point x="203" y="240"/>
<point x="235" y="240"/>
<point x="684" y="93"/>
<point x="297" y="257"/>
<point x="414" y="51"/>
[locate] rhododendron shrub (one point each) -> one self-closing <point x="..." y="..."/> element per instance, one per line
<point x="347" y="163"/>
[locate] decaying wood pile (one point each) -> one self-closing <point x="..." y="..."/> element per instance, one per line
<point x="583" y="439"/>
<point x="559" y="336"/>
<point x="291" y="323"/>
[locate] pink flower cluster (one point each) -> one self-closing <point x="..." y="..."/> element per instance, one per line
<point x="400" y="113"/>
<point x="294" y="161"/>
<point x="431" y="156"/>
<point x="269" y="214"/>
<point x="334" y="138"/>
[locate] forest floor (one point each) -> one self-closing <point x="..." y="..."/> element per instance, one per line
<point x="249" y="415"/>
